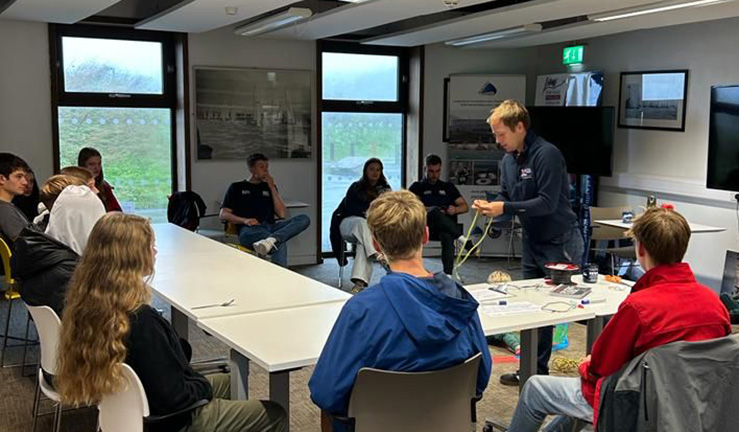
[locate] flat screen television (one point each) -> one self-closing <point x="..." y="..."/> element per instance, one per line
<point x="723" y="139"/>
<point x="584" y="135"/>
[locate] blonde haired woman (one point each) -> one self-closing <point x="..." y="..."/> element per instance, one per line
<point x="108" y="321"/>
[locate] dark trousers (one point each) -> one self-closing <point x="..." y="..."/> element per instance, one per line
<point x="565" y="248"/>
<point x="446" y="229"/>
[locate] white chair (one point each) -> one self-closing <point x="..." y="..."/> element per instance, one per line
<point x="128" y="410"/>
<point x="439" y="401"/>
<point x="49" y="327"/>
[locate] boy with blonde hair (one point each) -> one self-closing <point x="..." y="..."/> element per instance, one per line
<point x="654" y="314"/>
<point x="411" y="320"/>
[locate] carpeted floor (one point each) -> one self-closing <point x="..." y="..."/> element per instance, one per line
<point x="16" y="392"/>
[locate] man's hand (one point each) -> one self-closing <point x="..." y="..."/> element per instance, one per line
<point x="491" y="209"/>
<point x="585" y="360"/>
<point x="250" y="222"/>
<point x="270" y="181"/>
<point x="451" y="210"/>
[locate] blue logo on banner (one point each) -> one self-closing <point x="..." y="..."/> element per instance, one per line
<point x="488" y="89"/>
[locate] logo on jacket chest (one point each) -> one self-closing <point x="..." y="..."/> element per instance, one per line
<point x="526" y="173"/>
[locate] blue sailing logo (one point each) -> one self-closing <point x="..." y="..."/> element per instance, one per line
<point x="488" y="89"/>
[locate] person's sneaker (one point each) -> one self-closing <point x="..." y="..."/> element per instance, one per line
<point x="509" y="379"/>
<point x="462" y="242"/>
<point x="264" y="247"/>
<point x="358" y="287"/>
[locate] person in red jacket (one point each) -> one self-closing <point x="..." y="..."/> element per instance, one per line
<point x="665" y="305"/>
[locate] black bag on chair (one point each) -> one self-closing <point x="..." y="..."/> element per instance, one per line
<point x="185" y="209"/>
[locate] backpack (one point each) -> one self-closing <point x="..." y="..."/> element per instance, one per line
<point x="185" y="209"/>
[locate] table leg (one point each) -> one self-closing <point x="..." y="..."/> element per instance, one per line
<point x="595" y="326"/>
<point x="279" y="391"/>
<point x="529" y="355"/>
<point x="239" y="376"/>
<point x="181" y="323"/>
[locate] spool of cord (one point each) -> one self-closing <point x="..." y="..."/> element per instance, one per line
<point x="561" y="273"/>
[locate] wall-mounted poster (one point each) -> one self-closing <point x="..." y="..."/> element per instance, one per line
<point x="244" y="111"/>
<point x="469" y="100"/>
<point x="570" y="89"/>
<point x="653" y="100"/>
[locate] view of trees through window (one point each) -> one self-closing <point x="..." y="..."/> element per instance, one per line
<point x="135" y="142"/>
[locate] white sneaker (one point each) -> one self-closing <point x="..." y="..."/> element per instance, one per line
<point x="264" y="247"/>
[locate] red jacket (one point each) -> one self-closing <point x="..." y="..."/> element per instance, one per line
<point x="665" y="305"/>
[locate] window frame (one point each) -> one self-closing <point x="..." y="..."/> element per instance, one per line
<point x="61" y="98"/>
<point x="358" y="106"/>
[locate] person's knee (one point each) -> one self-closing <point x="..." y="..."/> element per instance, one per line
<point x="276" y="415"/>
<point x="534" y="388"/>
<point x="302" y="220"/>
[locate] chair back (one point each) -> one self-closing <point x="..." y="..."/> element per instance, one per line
<point x="6" y="254"/>
<point x="440" y="401"/>
<point x="124" y="411"/>
<point x="49" y="328"/>
<point x="602" y="232"/>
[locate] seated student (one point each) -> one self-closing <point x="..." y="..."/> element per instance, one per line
<point x="353" y="225"/>
<point x="50" y="191"/>
<point x="443" y="203"/>
<point x="12" y="184"/>
<point x="91" y="159"/>
<point x="108" y="320"/>
<point x="410" y="321"/>
<point x="654" y="314"/>
<point x="252" y="206"/>
<point x="43" y="263"/>
<point x="28" y="201"/>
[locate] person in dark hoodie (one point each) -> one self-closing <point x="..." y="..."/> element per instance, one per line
<point x="108" y="321"/>
<point x="353" y="226"/>
<point x="410" y="321"/>
<point x="535" y="187"/>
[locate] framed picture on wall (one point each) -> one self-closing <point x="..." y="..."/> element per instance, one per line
<point x="653" y="100"/>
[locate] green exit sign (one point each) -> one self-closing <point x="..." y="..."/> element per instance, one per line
<point x="573" y="55"/>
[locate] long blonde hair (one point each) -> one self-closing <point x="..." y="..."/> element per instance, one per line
<point x="107" y="285"/>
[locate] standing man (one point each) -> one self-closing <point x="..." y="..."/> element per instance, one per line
<point x="534" y="187"/>
<point x="13" y="183"/>
<point x="252" y="205"/>
<point x="443" y="203"/>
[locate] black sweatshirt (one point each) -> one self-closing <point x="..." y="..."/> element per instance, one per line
<point x="535" y="187"/>
<point x="358" y="202"/>
<point x="156" y="354"/>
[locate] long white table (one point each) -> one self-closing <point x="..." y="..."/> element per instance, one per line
<point x="192" y="270"/>
<point x="694" y="227"/>
<point x="280" y="341"/>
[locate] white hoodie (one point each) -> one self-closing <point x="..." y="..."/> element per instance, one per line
<point x="73" y="216"/>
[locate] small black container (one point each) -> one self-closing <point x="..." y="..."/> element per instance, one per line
<point x="590" y="273"/>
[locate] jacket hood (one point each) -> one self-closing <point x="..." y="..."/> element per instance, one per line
<point x="34" y="252"/>
<point x="433" y="310"/>
<point x="73" y="215"/>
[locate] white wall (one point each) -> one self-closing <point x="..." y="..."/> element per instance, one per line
<point x="442" y="61"/>
<point x="25" y="94"/>
<point x="672" y="165"/>
<point x="297" y="179"/>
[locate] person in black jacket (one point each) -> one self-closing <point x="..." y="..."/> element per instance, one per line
<point x="535" y="187"/>
<point x="43" y="267"/>
<point x="353" y="225"/>
<point x="108" y="321"/>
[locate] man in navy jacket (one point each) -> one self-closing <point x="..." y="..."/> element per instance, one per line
<point x="534" y="187"/>
<point x="410" y="321"/>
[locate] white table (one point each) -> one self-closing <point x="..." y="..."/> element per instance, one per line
<point x="192" y="270"/>
<point x="280" y="341"/>
<point x="528" y="323"/>
<point x="694" y="227"/>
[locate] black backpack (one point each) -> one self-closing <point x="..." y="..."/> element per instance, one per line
<point x="185" y="209"/>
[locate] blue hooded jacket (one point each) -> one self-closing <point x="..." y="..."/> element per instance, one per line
<point x="404" y="323"/>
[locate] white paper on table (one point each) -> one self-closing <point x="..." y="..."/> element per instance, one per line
<point x="486" y="295"/>
<point x="516" y="308"/>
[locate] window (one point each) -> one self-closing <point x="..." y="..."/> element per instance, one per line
<point x="363" y="109"/>
<point x="115" y="91"/>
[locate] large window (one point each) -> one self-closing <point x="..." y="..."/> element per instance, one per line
<point x="115" y="92"/>
<point x="363" y="100"/>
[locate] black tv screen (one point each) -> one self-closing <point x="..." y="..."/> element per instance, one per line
<point x="723" y="139"/>
<point x="584" y="135"/>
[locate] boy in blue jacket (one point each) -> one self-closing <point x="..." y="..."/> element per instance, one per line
<point x="410" y="321"/>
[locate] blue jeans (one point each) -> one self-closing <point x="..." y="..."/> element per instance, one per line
<point x="567" y="247"/>
<point x="547" y="395"/>
<point x="282" y="231"/>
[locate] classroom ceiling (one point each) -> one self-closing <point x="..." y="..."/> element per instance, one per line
<point x="381" y="22"/>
